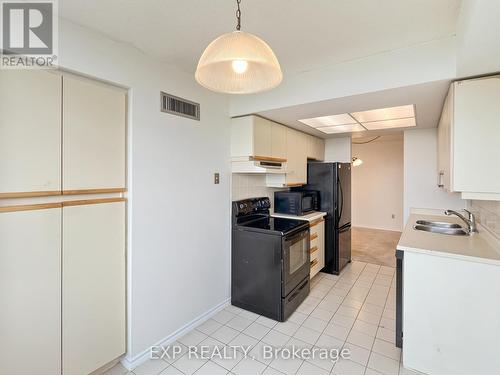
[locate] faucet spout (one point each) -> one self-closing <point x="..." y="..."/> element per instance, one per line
<point x="470" y="221"/>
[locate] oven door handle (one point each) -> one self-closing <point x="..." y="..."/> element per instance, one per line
<point x="297" y="292"/>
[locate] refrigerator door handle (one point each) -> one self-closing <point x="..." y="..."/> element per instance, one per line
<point x="341" y="200"/>
<point x="344" y="227"/>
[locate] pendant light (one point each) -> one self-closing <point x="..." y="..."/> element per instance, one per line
<point x="238" y="63"/>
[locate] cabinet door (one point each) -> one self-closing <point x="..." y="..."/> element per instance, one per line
<point x="476" y="135"/>
<point x="261" y="137"/>
<point x="30" y="132"/>
<point x="93" y="286"/>
<point x="278" y="141"/>
<point x="302" y="141"/>
<point x="30" y="292"/>
<point x="444" y="176"/>
<point x="94" y="149"/>
<point x="320" y="149"/>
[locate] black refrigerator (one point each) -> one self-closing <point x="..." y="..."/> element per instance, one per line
<point x="333" y="181"/>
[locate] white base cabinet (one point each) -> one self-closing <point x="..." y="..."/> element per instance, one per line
<point x="93" y="286"/>
<point x="468" y="137"/>
<point x="30" y="292"/>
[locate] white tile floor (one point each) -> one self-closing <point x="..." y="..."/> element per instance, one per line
<point x="355" y="310"/>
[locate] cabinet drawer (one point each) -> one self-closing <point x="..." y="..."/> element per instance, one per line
<point x="314" y="252"/>
<point x="315" y="225"/>
<point x="314" y="243"/>
<point x="315" y="267"/>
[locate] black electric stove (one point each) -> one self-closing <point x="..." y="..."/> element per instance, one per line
<point x="270" y="260"/>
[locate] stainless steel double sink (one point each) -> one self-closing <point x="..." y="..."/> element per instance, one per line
<point x="440" y="227"/>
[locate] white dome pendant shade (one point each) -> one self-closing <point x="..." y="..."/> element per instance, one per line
<point x="238" y="63"/>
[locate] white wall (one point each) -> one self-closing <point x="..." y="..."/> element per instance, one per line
<point x="338" y="149"/>
<point x="420" y="174"/>
<point x="426" y="62"/>
<point x="478" y="31"/>
<point x="178" y="245"/>
<point x="377" y="184"/>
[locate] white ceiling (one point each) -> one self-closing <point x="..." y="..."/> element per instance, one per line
<point x="305" y="35"/>
<point x="428" y="99"/>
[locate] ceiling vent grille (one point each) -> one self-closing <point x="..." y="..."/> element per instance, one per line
<point x="180" y="107"/>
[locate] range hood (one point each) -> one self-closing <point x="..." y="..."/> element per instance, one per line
<point x="257" y="164"/>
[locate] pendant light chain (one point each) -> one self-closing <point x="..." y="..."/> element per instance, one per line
<point x="238" y="15"/>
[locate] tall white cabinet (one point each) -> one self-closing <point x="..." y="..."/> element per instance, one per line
<point x="30" y="133"/>
<point x="93" y="285"/>
<point x="94" y="118"/>
<point x="62" y="261"/>
<point x="30" y="291"/>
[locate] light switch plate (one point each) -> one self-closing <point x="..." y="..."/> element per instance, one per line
<point x="216" y="178"/>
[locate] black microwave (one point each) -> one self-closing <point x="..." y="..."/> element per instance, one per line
<point x="296" y="202"/>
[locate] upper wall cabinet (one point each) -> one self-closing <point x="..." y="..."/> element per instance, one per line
<point x="315" y="148"/>
<point x="30" y="133"/>
<point x="257" y="138"/>
<point x="94" y="128"/>
<point x="468" y="139"/>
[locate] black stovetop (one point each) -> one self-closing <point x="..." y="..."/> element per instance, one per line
<point x="274" y="224"/>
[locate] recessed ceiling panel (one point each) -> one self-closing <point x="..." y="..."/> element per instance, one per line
<point x="381" y="114"/>
<point x="333" y="120"/>
<point x="342" y="129"/>
<point x="390" y="124"/>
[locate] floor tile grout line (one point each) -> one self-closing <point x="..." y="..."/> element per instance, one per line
<point x="338" y="279"/>
<point x="378" y="326"/>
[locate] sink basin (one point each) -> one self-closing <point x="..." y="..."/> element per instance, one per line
<point x="442" y="230"/>
<point x="439" y="224"/>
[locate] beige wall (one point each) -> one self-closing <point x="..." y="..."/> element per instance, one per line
<point x="420" y="168"/>
<point x="377" y="184"/>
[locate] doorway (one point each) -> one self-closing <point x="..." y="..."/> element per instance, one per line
<point x="377" y="198"/>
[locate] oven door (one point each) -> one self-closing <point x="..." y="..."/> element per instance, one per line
<point x="296" y="259"/>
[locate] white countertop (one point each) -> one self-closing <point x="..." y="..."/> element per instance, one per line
<point x="481" y="247"/>
<point x="309" y="217"/>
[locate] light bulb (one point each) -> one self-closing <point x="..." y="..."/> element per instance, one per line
<point x="239" y="66"/>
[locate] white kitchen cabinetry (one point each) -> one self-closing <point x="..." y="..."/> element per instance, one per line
<point x="30" y="291"/>
<point x="296" y="165"/>
<point x="317" y="248"/>
<point x="94" y="117"/>
<point x="315" y="148"/>
<point x="30" y="133"/>
<point x="62" y="262"/>
<point x="93" y="286"/>
<point x="257" y="138"/>
<point x="468" y="137"/>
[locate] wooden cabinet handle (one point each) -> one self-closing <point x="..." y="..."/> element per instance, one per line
<point x="267" y="158"/>
<point x="314" y="262"/>
<point x="314" y="236"/>
<point x="313" y="249"/>
<point x="316" y="222"/>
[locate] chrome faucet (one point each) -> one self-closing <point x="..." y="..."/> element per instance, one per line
<point x="471" y="221"/>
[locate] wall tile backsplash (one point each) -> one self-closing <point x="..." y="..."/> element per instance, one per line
<point x="251" y="186"/>
<point x="488" y="214"/>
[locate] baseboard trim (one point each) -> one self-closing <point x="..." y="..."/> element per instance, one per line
<point x="131" y="363"/>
